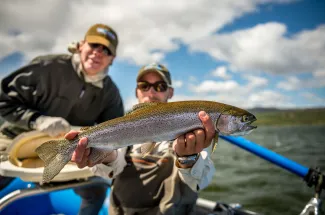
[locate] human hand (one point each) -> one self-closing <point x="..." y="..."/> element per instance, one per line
<point x="84" y="156"/>
<point x="53" y="126"/>
<point x="195" y="141"/>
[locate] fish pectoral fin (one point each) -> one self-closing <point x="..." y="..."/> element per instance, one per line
<point x="215" y="142"/>
<point x="98" y="154"/>
<point x="146" y="148"/>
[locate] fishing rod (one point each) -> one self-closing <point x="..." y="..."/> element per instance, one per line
<point x="313" y="177"/>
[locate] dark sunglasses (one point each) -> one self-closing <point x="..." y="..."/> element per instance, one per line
<point x="159" y="86"/>
<point x="106" y="51"/>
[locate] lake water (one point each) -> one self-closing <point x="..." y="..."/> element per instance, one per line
<point x="260" y="186"/>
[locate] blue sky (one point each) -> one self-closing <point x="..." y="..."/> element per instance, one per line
<point x="249" y="53"/>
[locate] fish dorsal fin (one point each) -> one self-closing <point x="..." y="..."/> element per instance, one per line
<point x="85" y="128"/>
<point x="144" y="105"/>
<point x="141" y="106"/>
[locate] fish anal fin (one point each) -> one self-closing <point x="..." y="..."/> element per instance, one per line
<point x="215" y="142"/>
<point x="98" y="154"/>
<point x="147" y="148"/>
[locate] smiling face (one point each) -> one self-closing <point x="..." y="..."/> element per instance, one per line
<point x="94" y="60"/>
<point x="152" y="95"/>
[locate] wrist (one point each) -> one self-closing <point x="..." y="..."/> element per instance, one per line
<point x="187" y="161"/>
<point x="32" y="121"/>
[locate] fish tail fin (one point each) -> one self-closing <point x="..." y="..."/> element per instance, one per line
<point x="55" y="154"/>
<point x="215" y="142"/>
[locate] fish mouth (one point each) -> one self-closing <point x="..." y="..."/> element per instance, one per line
<point x="249" y="126"/>
<point x="245" y="129"/>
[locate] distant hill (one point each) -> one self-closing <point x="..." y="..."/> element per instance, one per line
<point x="273" y="109"/>
<point x="274" y="116"/>
<point x="261" y="110"/>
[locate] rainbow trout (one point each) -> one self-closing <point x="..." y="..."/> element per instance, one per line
<point x="147" y="122"/>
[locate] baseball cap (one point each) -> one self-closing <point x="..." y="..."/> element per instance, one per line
<point x="104" y="35"/>
<point x="161" y="70"/>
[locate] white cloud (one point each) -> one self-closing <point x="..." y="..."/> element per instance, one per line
<point x="294" y="83"/>
<point x="230" y="86"/>
<point x="256" y="81"/>
<point x="268" y="98"/>
<point x="147" y="30"/>
<point x="221" y="72"/>
<point x="31" y="26"/>
<point x="264" y="98"/>
<point x="192" y="78"/>
<point x="177" y="83"/>
<point x="246" y="95"/>
<point x="266" y="48"/>
<point x="130" y="102"/>
<point x="319" y="73"/>
<point x="215" y="86"/>
<point x="314" y="98"/>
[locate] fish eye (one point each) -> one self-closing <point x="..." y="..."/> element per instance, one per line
<point x="245" y="118"/>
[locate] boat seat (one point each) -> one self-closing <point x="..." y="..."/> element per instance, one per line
<point x="23" y="162"/>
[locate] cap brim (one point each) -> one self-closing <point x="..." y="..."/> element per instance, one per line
<point x="142" y="73"/>
<point x="102" y="41"/>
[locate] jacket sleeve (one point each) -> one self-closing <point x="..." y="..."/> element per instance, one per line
<point x="18" y="95"/>
<point x="200" y="175"/>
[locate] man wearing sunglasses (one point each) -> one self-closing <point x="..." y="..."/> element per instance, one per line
<point x="55" y="91"/>
<point x="167" y="180"/>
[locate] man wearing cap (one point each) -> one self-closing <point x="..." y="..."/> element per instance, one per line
<point x="167" y="180"/>
<point x="55" y="91"/>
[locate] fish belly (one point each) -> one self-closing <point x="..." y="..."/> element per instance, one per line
<point x="150" y="129"/>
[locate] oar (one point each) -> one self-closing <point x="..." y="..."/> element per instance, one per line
<point x="311" y="176"/>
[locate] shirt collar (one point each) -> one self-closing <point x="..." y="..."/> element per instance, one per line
<point x="96" y="80"/>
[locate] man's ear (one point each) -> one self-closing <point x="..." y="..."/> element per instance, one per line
<point x="136" y="93"/>
<point x="170" y="93"/>
<point x="80" y="44"/>
<point x="113" y="57"/>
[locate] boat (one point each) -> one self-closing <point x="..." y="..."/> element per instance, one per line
<point x="21" y="197"/>
<point x="22" y="192"/>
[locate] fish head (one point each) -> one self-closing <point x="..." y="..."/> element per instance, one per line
<point x="238" y="124"/>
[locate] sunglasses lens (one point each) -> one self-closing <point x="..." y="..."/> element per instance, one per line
<point x="158" y="86"/>
<point x="94" y="45"/>
<point x="106" y="51"/>
<point x="161" y="87"/>
<point x="143" y="86"/>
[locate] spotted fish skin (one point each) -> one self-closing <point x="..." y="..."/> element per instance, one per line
<point x="147" y="122"/>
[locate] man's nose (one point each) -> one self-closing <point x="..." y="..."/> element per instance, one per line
<point x="152" y="90"/>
